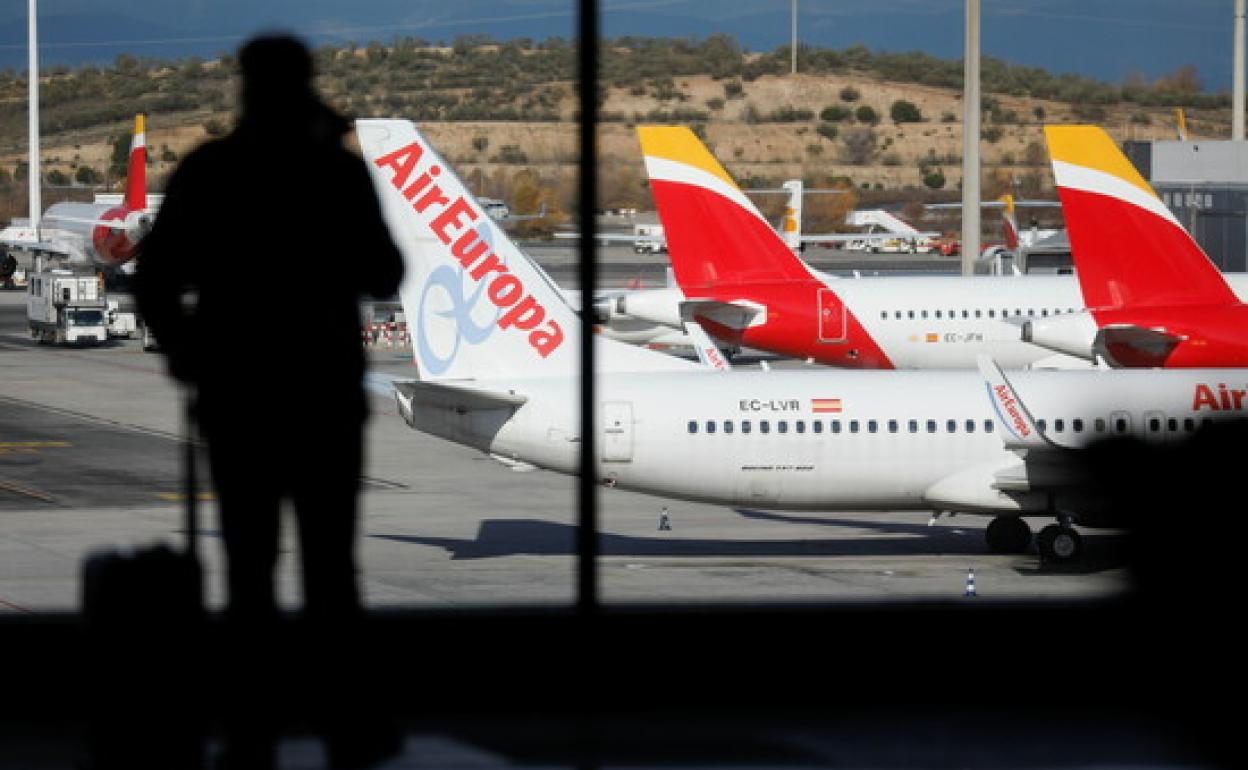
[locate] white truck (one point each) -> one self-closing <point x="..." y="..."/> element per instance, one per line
<point x="63" y="307"/>
<point x="648" y="239"/>
<point x="121" y="324"/>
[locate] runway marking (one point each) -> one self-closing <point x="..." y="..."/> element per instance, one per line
<point x="9" y="486"/>
<point x="92" y="418"/>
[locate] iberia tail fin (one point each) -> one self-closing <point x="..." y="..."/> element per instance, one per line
<point x="715" y="234"/>
<point x="478" y="308"/>
<point x="136" y="169"/>
<point x="1009" y="223"/>
<point x="1128" y="248"/>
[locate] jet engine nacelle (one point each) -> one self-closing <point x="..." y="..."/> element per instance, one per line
<point x="1072" y="333"/>
<point x="659" y="306"/>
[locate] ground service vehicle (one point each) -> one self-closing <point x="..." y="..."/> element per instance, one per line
<point x="66" y="307"/>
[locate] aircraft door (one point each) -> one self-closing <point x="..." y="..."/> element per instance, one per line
<point x="832" y="317"/>
<point x="617" y="432"/>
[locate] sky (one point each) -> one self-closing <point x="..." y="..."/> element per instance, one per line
<point x="1106" y="39"/>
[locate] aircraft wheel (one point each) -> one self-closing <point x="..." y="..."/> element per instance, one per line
<point x="1008" y="534"/>
<point x="1060" y="545"/>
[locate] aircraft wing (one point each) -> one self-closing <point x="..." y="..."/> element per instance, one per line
<point x="55" y="249"/>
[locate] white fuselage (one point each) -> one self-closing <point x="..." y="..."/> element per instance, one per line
<point x="901" y="440"/>
<point x="923" y="322"/>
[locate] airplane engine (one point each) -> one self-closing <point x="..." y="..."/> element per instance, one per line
<point x="1073" y="334"/>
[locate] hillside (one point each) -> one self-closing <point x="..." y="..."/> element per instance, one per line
<point x="884" y="125"/>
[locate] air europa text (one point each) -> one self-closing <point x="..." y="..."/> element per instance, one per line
<point x="449" y="221"/>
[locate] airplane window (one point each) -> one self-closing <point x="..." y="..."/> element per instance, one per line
<point x="977" y="314"/>
<point x="710" y="426"/>
<point x="913" y="425"/>
<point x="1031" y="311"/>
<point x="693" y="426"/>
<point x="1043" y="425"/>
<point x="871" y="426"/>
<point x="1154" y="425"/>
<point x="1044" y="312"/>
<point x="924" y="313"/>
<point x="745" y="426"/>
<point x="897" y="315"/>
<point x="1172" y="425"/>
<point x="816" y="426"/>
<point x="953" y="314"/>
<point x="951" y="426"/>
<point x="1120" y="425"/>
<point x="992" y="313"/>
<point x="1017" y="311"/>
<point x="938" y="314"/>
<point x="970" y="426"/>
<point x="853" y="426"/>
<point x="764" y="426"/>
<point x="727" y="426"/>
<point x="1059" y="426"/>
<point x="799" y="426"/>
<point x="1076" y="425"/>
<point x="836" y="426"/>
<point x="910" y="314"/>
<point x="1100" y="425"/>
<point x="1189" y="424"/>
<point x="782" y="426"/>
<point x="988" y="426"/>
<point x="892" y="426"/>
<point x="931" y="426"/>
<point x="966" y="314"/>
<point x="883" y="315"/>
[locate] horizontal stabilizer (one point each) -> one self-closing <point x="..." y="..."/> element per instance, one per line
<point x="1135" y="346"/>
<point x="736" y="314"/>
<point x="458" y="397"/>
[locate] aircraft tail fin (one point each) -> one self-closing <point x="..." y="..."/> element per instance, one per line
<point x="477" y="306"/>
<point x="715" y="234"/>
<point x="1009" y="223"/>
<point x="136" y="169"/>
<point x="791" y="224"/>
<point x="1128" y="248"/>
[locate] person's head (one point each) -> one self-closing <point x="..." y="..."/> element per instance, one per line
<point x="276" y="75"/>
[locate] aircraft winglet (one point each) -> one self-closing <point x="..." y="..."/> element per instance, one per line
<point x="708" y="352"/>
<point x="1018" y="428"/>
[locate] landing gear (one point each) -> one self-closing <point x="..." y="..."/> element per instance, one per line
<point x="1060" y="544"/>
<point x="1008" y="534"/>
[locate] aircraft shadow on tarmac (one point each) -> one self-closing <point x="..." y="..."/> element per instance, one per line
<point x="498" y="538"/>
<point x="1102" y="550"/>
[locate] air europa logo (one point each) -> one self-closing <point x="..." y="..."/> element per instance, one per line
<point x="1010" y="405"/>
<point x="450" y="222"/>
<point x="1222" y="400"/>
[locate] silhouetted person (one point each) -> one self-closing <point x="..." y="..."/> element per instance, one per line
<point x="276" y="232"/>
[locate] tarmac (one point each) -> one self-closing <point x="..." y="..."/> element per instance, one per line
<point x="89" y="458"/>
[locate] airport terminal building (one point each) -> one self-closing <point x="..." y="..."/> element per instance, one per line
<point x="1205" y="184"/>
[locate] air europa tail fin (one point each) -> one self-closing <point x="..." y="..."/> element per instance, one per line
<point x="1128" y="248"/>
<point x="136" y="170"/>
<point x="714" y="233"/>
<point x="478" y="308"/>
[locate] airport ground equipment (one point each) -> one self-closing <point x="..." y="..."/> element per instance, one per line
<point x="64" y="307"/>
<point x="121" y="324"/>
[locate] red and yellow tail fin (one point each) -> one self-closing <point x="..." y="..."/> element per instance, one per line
<point x="714" y="233"/>
<point x="136" y="170"/>
<point x="1128" y="248"/>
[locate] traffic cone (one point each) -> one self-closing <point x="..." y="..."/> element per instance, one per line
<point x="970" y="582"/>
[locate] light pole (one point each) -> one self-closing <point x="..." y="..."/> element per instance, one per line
<point x="36" y="205"/>
<point x="970" y="140"/>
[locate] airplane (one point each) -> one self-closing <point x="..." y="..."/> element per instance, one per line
<point x="104" y="235"/>
<point x="1154" y="298"/>
<point x="747" y="289"/>
<point x="497" y="368"/>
